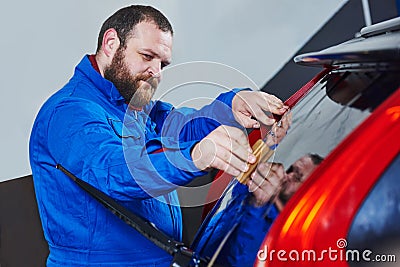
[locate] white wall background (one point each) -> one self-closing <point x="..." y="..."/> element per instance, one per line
<point x="43" y="40"/>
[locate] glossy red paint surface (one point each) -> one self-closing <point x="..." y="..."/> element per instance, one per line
<point x="320" y="213"/>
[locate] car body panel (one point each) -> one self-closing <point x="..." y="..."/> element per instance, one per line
<point x="321" y="212"/>
<point x="313" y="228"/>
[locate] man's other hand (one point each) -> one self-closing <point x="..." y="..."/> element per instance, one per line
<point x="225" y="148"/>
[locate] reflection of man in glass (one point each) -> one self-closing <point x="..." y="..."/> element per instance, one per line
<point x="253" y="216"/>
<point x="295" y="175"/>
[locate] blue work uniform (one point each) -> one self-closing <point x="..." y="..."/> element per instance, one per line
<point x="250" y="224"/>
<point x="88" y="128"/>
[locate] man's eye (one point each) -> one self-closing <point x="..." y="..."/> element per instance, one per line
<point x="298" y="177"/>
<point x="147" y="56"/>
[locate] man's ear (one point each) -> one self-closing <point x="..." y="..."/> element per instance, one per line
<point x="110" y="42"/>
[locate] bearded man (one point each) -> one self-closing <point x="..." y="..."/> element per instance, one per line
<point x="103" y="127"/>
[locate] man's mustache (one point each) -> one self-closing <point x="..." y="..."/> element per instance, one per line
<point x="153" y="81"/>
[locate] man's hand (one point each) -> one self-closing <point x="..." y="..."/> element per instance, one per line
<point x="266" y="182"/>
<point x="279" y="129"/>
<point x="248" y="104"/>
<point x="226" y="148"/>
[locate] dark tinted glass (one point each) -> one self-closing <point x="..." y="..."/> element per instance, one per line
<point x="339" y="103"/>
<point x="376" y="226"/>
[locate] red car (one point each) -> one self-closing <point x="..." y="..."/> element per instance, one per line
<point x="347" y="213"/>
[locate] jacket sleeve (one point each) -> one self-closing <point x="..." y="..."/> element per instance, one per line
<point x="188" y="124"/>
<point x="80" y="138"/>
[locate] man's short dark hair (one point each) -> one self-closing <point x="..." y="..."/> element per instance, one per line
<point x="315" y="158"/>
<point x="125" y="19"/>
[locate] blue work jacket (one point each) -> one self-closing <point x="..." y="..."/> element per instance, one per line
<point x="88" y="128"/>
<point x="249" y="226"/>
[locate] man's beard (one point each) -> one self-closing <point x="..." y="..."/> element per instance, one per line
<point x="137" y="89"/>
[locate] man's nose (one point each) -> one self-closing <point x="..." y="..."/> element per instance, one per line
<point x="155" y="69"/>
<point x="289" y="177"/>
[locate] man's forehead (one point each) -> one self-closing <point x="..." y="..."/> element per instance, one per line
<point x="304" y="162"/>
<point x="148" y="36"/>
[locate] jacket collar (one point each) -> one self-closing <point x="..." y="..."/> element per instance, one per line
<point x="103" y="85"/>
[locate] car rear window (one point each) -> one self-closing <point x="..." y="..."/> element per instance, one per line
<point x="332" y="109"/>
